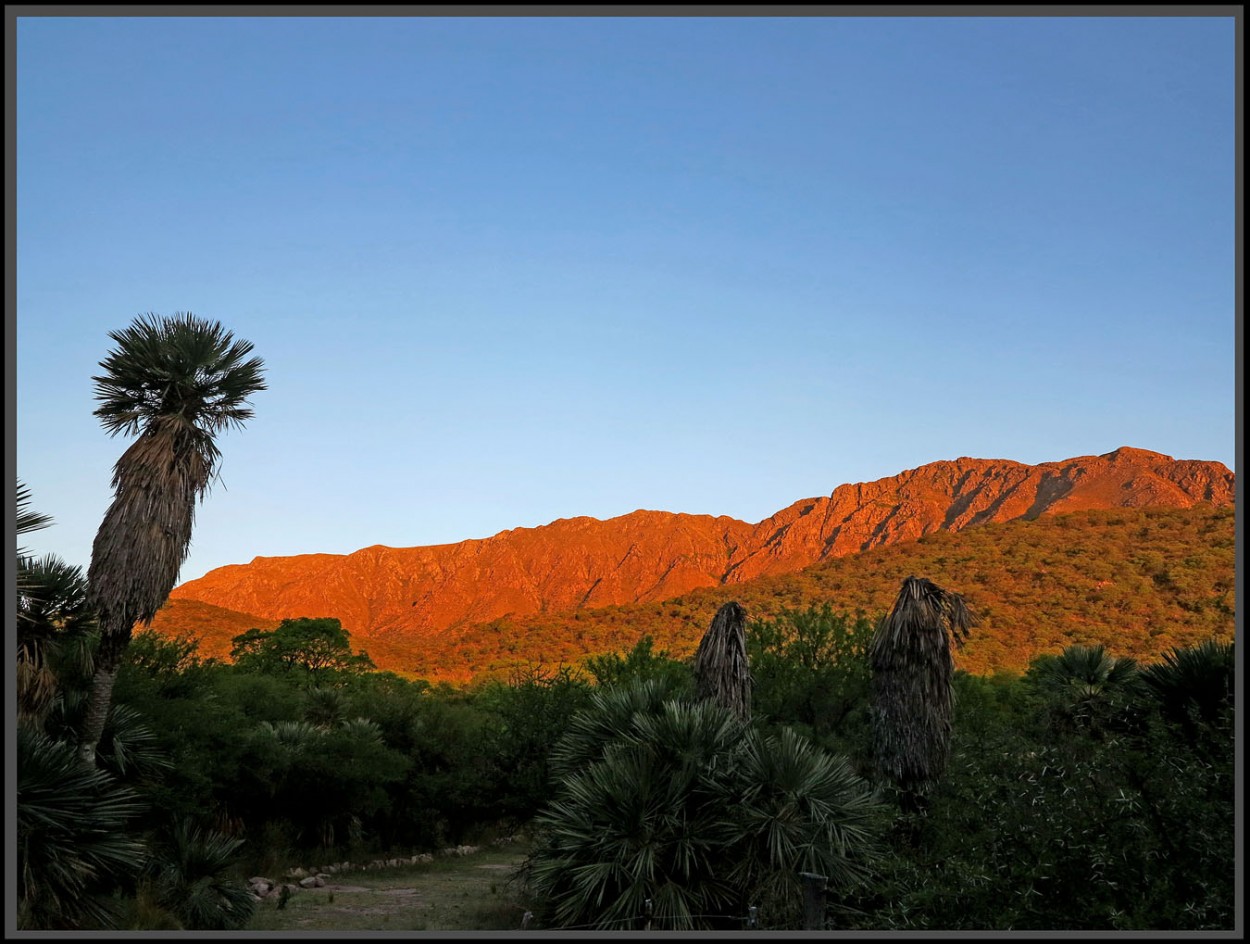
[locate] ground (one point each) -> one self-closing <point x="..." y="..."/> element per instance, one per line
<point x="452" y="893"/>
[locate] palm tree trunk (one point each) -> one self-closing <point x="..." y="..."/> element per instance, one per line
<point x="107" y="662"/>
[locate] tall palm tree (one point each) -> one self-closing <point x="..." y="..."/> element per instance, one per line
<point x="175" y="382"/>
<point x="912" y="670"/>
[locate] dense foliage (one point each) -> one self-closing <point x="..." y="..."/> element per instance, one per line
<point x="673" y="814"/>
<point x="1093" y="790"/>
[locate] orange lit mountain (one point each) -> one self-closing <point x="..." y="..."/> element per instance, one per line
<point x="389" y="596"/>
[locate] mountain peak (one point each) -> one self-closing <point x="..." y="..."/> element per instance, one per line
<point x="1130" y="452"/>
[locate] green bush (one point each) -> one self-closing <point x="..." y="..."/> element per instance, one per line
<point x="677" y="804"/>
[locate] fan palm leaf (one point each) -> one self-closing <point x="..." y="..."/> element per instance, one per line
<point x="53" y="632"/>
<point x="799" y="809"/>
<point x="191" y="878"/>
<point x="1195" y="683"/>
<point x="1087" y="685"/>
<point x="73" y="836"/>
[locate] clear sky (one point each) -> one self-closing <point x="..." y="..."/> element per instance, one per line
<point x="509" y="270"/>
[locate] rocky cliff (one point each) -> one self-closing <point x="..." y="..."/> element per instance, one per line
<point x="646" y="556"/>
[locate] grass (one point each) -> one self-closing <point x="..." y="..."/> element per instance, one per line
<point x="452" y="893"/>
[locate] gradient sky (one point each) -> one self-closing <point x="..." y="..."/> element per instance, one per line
<point x="509" y="270"/>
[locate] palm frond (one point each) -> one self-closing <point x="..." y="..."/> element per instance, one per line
<point x="73" y="835"/>
<point x="1194" y="680"/>
<point x="28" y="520"/>
<point x="178" y="366"/>
<point x="192" y="880"/>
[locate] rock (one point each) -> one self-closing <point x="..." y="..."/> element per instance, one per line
<point x="409" y="594"/>
<point x="309" y="881"/>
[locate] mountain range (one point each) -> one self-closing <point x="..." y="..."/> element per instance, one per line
<point x="391" y="599"/>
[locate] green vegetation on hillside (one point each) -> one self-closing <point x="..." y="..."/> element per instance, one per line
<point x="1141" y="581"/>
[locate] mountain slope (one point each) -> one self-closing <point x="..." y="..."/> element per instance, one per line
<point x="1139" y="581"/>
<point x="395" y="594"/>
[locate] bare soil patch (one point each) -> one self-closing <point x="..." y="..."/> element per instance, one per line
<point x="453" y="893"/>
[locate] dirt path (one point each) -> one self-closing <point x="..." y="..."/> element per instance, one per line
<point x="452" y="893"/>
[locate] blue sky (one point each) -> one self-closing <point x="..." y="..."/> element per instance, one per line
<point x="509" y="270"/>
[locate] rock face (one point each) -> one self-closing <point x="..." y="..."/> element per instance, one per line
<point x="652" y="555"/>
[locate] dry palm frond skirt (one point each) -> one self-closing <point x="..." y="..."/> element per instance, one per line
<point x="912" y="670"/>
<point x="720" y="663"/>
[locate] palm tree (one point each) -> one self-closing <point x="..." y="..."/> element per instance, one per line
<point x="800" y="809"/>
<point x="912" y="670"/>
<point x="1194" y="686"/>
<point x="1087" y="686"/>
<point x="53" y="622"/>
<point x="54" y="634"/>
<point x="75" y="836"/>
<point x="175" y="382"/>
<point x="720" y="663"/>
<point x="191" y="879"/>
<point x="674" y="813"/>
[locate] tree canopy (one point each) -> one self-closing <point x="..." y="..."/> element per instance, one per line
<point x="313" y="646"/>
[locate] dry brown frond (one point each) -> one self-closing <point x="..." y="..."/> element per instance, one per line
<point x="146" y="532"/>
<point x="720" y="663"/>
<point x="37" y="685"/>
<point x="912" y="670"/>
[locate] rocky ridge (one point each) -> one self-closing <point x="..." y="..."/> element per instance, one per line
<point x="387" y="593"/>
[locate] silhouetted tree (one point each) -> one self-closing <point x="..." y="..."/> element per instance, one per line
<point x="176" y="382"/>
